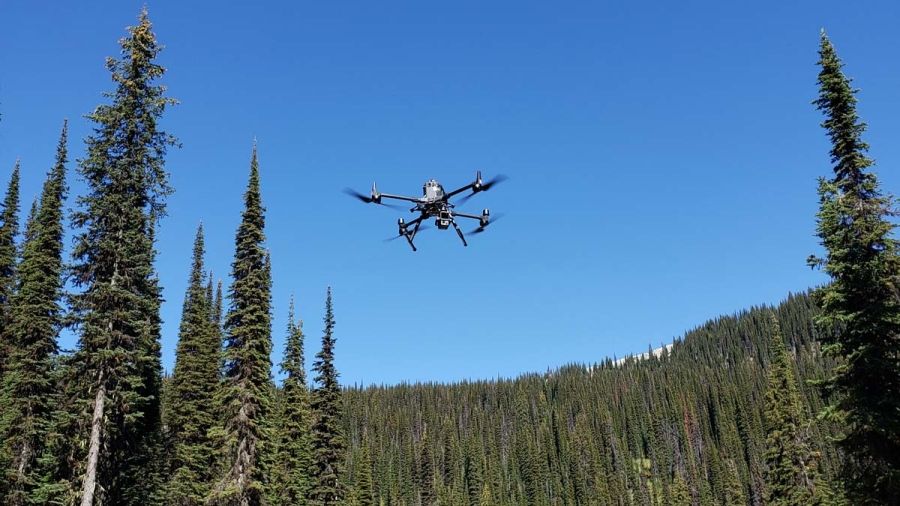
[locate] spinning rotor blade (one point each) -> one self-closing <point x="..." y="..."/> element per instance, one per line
<point x="369" y="200"/>
<point x="360" y="196"/>
<point x="499" y="178"/>
<point x="481" y="229"/>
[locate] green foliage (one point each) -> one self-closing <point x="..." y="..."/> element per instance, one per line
<point x="191" y="413"/>
<point x="9" y="228"/>
<point x="862" y="260"/>
<point x="681" y="495"/>
<point x="720" y="418"/>
<point x="791" y="468"/>
<point x="246" y="393"/>
<point x="28" y="387"/>
<point x="116" y="369"/>
<point x="327" y="431"/>
<point x="609" y="433"/>
<point x="363" y="489"/>
<point x="734" y="489"/>
<point x="291" y="480"/>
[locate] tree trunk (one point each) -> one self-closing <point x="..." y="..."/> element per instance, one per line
<point x="90" y="475"/>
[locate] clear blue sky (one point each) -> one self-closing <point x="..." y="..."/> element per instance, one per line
<point x="663" y="159"/>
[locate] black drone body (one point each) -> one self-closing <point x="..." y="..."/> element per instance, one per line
<point x="435" y="203"/>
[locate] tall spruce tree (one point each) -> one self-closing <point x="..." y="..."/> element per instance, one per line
<point x="790" y="465"/>
<point x="9" y="229"/>
<point x="294" y="456"/>
<point x="327" y="435"/>
<point x="246" y="392"/>
<point x="192" y="389"/>
<point x="34" y="321"/>
<point x="364" y="488"/>
<point x="861" y="302"/>
<point x="117" y="365"/>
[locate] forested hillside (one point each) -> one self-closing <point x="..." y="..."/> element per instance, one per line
<point x="683" y="428"/>
<point x="733" y="413"/>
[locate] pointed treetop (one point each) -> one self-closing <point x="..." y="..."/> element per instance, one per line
<point x="61" y="147"/>
<point x="11" y="202"/>
<point x="837" y="101"/>
<point x="291" y="310"/>
<point x="9" y="228"/>
<point x="293" y="363"/>
<point x="254" y="164"/>
<point x="199" y="248"/>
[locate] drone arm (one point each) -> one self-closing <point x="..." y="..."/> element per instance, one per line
<point x="470" y="216"/>
<point x="398" y="197"/>
<point x="470" y="186"/>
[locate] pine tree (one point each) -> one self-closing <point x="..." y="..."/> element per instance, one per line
<point x="365" y="493"/>
<point x="246" y="391"/>
<point x="861" y="302"/>
<point x="327" y="438"/>
<point x="681" y="495"/>
<point x="791" y="470"/>
<point x="34" y="321"/>
<point x="9" y="228"/>
<point x="294" y="454"/>
<point x="472" y="474"/>
<point x="487" y="499"/>
<point x="734" y="491"/>
<point x="117" y="366"/>
<point x="426" y="472"/>
<point x="192" y="389"/>
<point x="217" y="305"/>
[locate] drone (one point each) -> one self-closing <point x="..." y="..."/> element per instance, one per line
<point x="435" y="203"/>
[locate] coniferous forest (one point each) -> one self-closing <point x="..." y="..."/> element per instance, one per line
<point x="774" y="405"/>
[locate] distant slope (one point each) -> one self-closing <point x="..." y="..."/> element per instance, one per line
<point x="613" y="433"/>
<point x="656" y="352"/>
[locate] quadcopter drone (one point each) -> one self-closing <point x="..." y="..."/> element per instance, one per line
<point x="435" y="203"/>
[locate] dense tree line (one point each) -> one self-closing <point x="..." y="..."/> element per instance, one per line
<point x="742" y="410"/>
<point x="686" y="427"/>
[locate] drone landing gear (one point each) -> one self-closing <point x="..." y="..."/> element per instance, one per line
<point x="410" y="237"/>
<point x="459" y="233"/>
<point x="405" y="233"/>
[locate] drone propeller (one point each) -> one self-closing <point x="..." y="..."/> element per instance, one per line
<point x="482" y="187"/>
<point x="421" y="228"/>
<point x="360" y="196"/>
<point x="368" y="199"/>
<point x="482" y="227"/>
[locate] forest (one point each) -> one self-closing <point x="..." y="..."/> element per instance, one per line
<point x="792" y="404"/>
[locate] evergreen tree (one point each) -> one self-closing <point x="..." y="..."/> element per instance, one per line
<point x="294" y="454"/>
<point x="681" y="495"/>
<point x="9" y="228"/>
<point x="327" y="437"/>
<point x="791" y="470"/>
<point x="217" y="305"/>
<point x="734" y="491"/>
<point x="34" y="321"/>
<point x="117" y="366"/>
<point x="487" y="499"/>
<point x="192" y="389"/>
<point x="365" y="493"/>
<point x="246" y="391"/>
<point x="426" y="472"/>
<point x="861" y="302"/>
